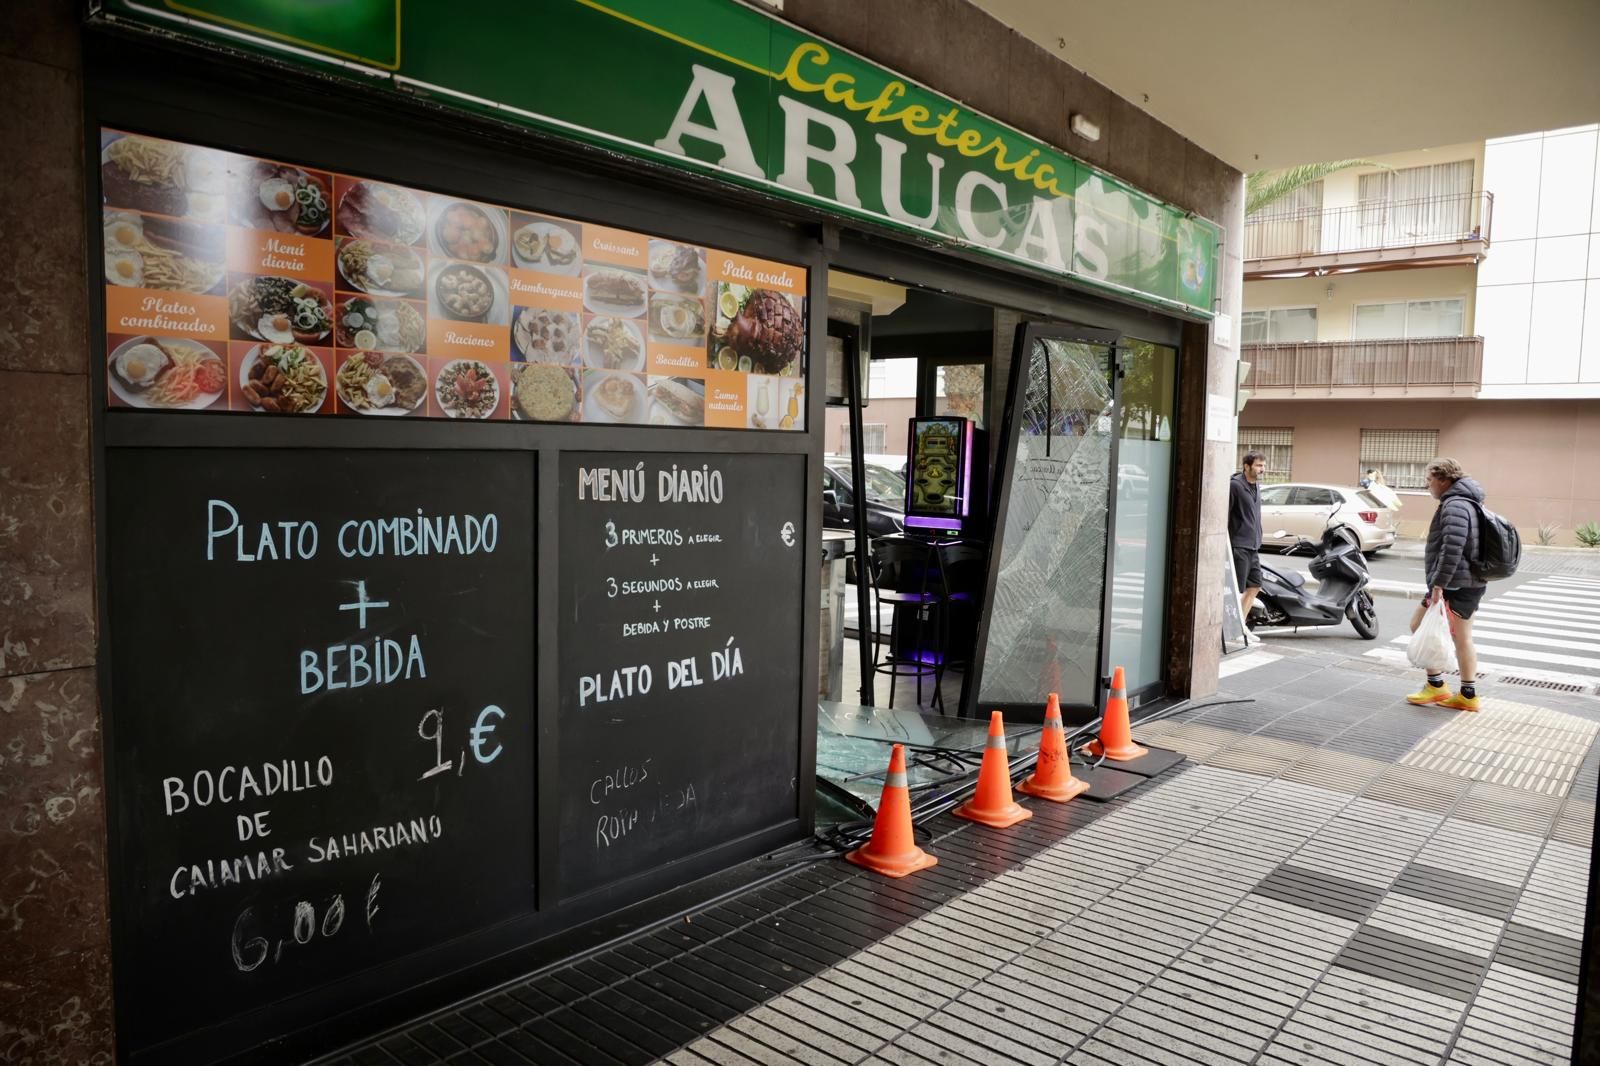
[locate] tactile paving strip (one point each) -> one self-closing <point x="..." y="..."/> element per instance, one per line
<point x="1513" y="744"/>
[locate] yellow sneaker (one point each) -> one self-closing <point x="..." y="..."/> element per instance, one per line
<point x="1459" y="702"/>
<point x="1431" y="694"/>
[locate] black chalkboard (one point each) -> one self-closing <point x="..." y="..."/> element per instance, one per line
<point x="682" y="574"/>
<point x="285" y="814"/>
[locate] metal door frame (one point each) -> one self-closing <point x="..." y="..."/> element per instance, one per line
<point x="1027" y="333"/>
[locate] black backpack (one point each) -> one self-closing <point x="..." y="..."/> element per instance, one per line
<point x="1499" y="546"/>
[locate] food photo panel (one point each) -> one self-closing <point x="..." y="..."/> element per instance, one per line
<point x="546" y="244"/>
<point x="279" y="310"/>
<point x="470" y="389"/>
<point x="166" y="373"/>
<point x="544" y="392"/>
<point x="546" y="335"/>
<point x="387" y="384"/>
<point x="676" y="401"/>
<point x="377" y="211"/>
<point x="245" y="284"/>
<point x="677" y="268"/>
<point x="759" y="321"/>
<point x="379" y="268"/>
<point x="286" y="379"/>
<point x="613" y="343"/>
<point x="614" y="397"/>
<point x="163" y="254"/>
<point x="369" y="323"/>
<point x="469" y="232"/>
<point x="775" y="403"/>
<point x="279" y="198"/>
<point x="163" y="177"/>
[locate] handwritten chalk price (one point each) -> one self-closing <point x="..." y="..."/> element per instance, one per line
<point x="480" y="738"/>
<point x="250" y="951"/>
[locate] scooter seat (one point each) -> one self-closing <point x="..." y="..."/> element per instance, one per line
<point x="1290" y="577"/>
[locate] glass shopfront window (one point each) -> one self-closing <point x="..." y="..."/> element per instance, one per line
<point x="1144" y="482"/>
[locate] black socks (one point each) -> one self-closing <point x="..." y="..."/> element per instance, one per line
<point x="1469" y="689"/>
<point x="1436" y="680"/>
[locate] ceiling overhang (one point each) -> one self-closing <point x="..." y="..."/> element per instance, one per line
<point x="1263" y="84"/>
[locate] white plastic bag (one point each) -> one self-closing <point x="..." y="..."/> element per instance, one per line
<point x="1432" y="647"/>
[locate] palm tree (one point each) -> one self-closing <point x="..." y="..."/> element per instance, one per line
<point x="1265" y="187"/>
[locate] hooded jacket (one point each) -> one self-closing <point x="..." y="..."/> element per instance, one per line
<point x="1453" y="537"/>
<point x="1244" y="513"/>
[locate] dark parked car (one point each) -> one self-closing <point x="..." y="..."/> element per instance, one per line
<point x="885" y="496"/>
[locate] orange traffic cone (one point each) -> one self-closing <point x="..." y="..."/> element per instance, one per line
<point x="1052" y="775"/>
<point x="1116" y="734"/>
<point x="893" y="848"/>
<point x="992" y="803"/>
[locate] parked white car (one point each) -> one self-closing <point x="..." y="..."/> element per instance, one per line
<point x="1302" y="510"/>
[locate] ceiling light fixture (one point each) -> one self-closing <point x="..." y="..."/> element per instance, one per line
<point x="1084" y="128"/>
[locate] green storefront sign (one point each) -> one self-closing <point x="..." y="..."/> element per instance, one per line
<point x="722" y="88"/>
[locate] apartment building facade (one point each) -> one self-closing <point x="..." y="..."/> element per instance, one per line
<point x="1445" y="302"/>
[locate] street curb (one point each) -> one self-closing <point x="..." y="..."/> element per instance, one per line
<point x="1403" y="589"/>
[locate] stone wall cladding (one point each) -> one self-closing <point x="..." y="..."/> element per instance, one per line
<point x="55" y="966"/>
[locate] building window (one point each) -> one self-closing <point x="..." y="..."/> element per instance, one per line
<point x="874" y="437"/>
<point x="1276" y="443"/>
<point x="1435" y="318"/>
<point x="1290" y="226"/>
<point x="1409" y="318"/>
<point x="1400" y="207"/>
<point x="1400" y="455"/>
<point x="1282" y="325"/>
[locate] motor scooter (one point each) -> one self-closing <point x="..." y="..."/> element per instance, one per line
<point x="1342" y="592"/>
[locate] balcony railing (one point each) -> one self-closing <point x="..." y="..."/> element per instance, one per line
<point x="1371" y="226"/>
<point x="1432" y="367"/>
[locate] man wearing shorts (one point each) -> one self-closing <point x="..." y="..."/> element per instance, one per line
<point x="1244" y="527"/>
<point x="1452" y="544"/>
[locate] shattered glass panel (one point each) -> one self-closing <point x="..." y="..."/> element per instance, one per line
<point x="853" y="746"/>
<point x="1044" y="623"/>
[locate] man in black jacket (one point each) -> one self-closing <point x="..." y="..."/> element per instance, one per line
<point x="1452" y="545"/>
<point x="1244" y="527"/>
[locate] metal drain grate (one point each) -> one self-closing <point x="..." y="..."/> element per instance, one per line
<point x="1553" y="686"/>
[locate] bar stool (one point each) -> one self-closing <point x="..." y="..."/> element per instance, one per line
<point x="961" y="569"/>
<point x="906" y="576"/>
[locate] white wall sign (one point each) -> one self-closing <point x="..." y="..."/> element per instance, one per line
<point x="1219" y="417"/>
<point x="1222" y="330"/>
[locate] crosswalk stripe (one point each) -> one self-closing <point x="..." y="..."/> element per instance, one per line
<point x="1538" y="610"/>
<point x="1580" y="661"/>
<point x="1552" y="611"/>
<point x="1397" y="657"/>
<point x="1530" y="635"/>
<point x="1551" y="597"/>
<point x="1569" y="627"/>
<point x="1569" y="582"/>
<point x="1540" y="589"/>
<point x="1525" y="623"/>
